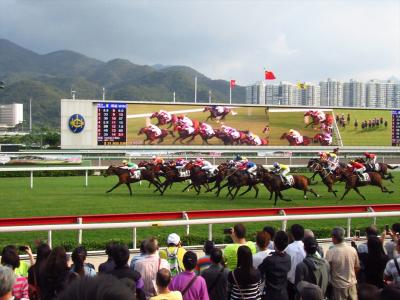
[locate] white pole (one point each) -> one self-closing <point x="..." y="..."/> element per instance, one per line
<point x="209" y="96"/>
<point x="104" y="94"/>
<point x="31" y="179"/>
<point x="30" y="114"/>
<point x="195" y="89"/>
<point x="174" y="96"/>
<point x="86" y="178"/>
<point x="230" y="94"/>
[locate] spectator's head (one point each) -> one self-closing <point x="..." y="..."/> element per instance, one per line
<point x="109" y="248"/>
<point x="105" y="287"/>
<point x="310" y="245"/>
<point x="208" y="246"/>
<point x="120" y="255"/>
<point x="337" y="235"/>
<point x="163" y="278"/>
<point x="270" y="231"/>
<point x="391" y="292"/>
<point x="151" y="246"/>
<point x="10" y="257"/>
<point x="281" y="241"/>
<point x="367" y="291"/>
<point x="375" y="247"/>
<point x="216" y="256"/>
<point x="308" y="233"/>
<point x="7" y="279"/>
<point x="297" y="232"/>
<point x="78" y="257"/>
<point x="239" y="232"/>
<point x="142" y="247"/>
<point x="244" y="258"/>
<point x="43" y="252"/>
<point x="173" y="240"/>
<point x="396" y="228"/>
<point x="371" y="231"/>
<point x="189" y="260"/>
<point x="309" y="291"/>
<point x="262" y="240"/>
<point x="57" y="262"/>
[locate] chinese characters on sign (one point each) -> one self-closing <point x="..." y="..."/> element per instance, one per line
<point x="111" y="123"/>
<point x="396" y="128"/>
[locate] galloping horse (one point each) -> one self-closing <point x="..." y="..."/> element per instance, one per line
<point x="171" y="176"/>
<point x="382" y="169"/>
<point x="237" y="179"/>
<point x="275" y="182"/>
<point x="198" y="177"/>
<point x="214" y="114"/>
<point x="353" y="182"/>
<point x="124" y="177"/>
<point x="316" y="121"/>
<point x="151" y="136"/>
<point x="292" y="141"/>
<point x="319" y="138"/>
<point x="163" y="121"/>
<point x="327" y="177"/>
<point x="184" y="134"/>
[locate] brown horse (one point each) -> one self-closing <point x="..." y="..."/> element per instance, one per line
<point x="327" y="177"/>
<point x="292" y="141"/>
<point x="151" y="136"/>
<point x="184" y="134"/>
<point x="124" y="177"/>
<point x="215" y="114"/>
<point x="277" y="185"/>
<point x="319" y="138"/>
<point x="315" y="120"/>
<point x="162" y="120"/>
<point x="198" y="177"/>
<point x="172" y="175"/>
<point x="354" y="182"/>
<point x="382" y="169"/>
<point x="236" y="180"/>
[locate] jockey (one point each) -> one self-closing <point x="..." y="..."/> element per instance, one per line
<point x="206" y="129"/>
<point x="333" y="161"/>
<point x="370" y="158"/>
<point x="157" y="160"/>
<point x="165" y="115"/>
<point x="283" y="170"/>
<point x="156" y="130"/>
<point x="296" y="135"/>
<point x="357" y="168"/>
<point x="218" y="109"/>
<point x="189" y="129"/>
<point x="254" y="139"/>
<point x="205" y="165"/>
<point x="132" y="167"/>
<point x="250" y="167"/>
<point x="180" y="163"/>
<point x="327" y="137"/>
<point x="232" y="132"/>
<point x="185" y="121"/>
<point x="320" y="115"/>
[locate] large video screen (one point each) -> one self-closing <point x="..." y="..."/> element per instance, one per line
<point x="128" y="124"/>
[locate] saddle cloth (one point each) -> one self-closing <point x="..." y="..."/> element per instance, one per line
<point x="377" y="168"/>
<point x="290" y="180"/>
<point x="136" y="174"/>
<point x="185" y="173"/>
<point x="365" y="177"/>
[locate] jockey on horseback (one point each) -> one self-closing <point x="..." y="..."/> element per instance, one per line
<point x="254" y="139"/>
<point x="232" y="132"/>
<point x="205" y="165"/>
<point x="296" y="136"/>
<point x="250" y="168"/>
<point x="185" y="121"/>
<point x="357" y="168"/>
<point x="206" y="129"/>
<point x="326" y="136"/>
<point x="370" y="159"/>
<point x="157" y="160"/>
<point x="132" y="167"/>
<point x="218" y="110"/>
<point x="154" y="129"/>
<point x="165" y="115"/>
<point x="320" y="115"/>
<point x="283" y="170"/>
<point x="187" y="128"/>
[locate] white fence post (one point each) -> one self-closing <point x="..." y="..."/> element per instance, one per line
<point x="186" y="217"/>
<point x="349" y="227"/>
<point x="86" y="177"/>
<point x="210" y="233"/>
<point x="134" y="237"/>
<point x="370" y="209"/>
<point x="31" y="179"/>
<point x="284" y="222"/>
<point x="50" y="238"/>
<point x="80" y="232"/>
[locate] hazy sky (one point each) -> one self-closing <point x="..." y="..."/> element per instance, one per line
<point x="306" y="40"/>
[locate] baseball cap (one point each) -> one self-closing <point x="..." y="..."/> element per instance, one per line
<point x="173" y="238"/>
<point x="309" y="291"/>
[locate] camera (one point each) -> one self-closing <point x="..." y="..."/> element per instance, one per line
<point x="228" y="231"/>
<point x="22" y="248"/>
<point x="387" y="228"/>
<point x="357" y="233"/>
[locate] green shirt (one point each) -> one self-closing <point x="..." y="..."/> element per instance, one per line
<point x="230" y="253"/>
<point x="22" y="270"/>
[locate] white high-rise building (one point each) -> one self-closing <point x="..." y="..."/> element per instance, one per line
<point x="272" y="94"/>
<point x="391" y="94"/>
<point x="331" y="93"/>
<point x="310" y="95"/>
<point x="255" y="94"/>
<point x="354" y="93"/>
<point x="397" y="95"/>
<point x="375" y="93"/>
<point x="11" y="114"/>
<point x="289" y="93"/>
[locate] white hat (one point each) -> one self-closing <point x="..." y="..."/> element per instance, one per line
<point x="173" y="238"/>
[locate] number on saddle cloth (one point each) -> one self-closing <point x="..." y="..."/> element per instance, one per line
<point x="135" y="174"/>
<point x="365" y="177"/>
<point x="290" y="180"/>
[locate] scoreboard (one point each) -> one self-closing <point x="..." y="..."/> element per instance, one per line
<point x="396" y="128"/>
<point x="111" y="123"/>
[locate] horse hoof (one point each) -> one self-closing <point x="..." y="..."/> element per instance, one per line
<point x="305" y="197"/>
<point x="318" y="196"/>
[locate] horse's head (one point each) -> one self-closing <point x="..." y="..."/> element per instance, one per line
<point x="142" y="130"/>
<point x="206" y="108"/>
<point x="109" y="171"/>
<point x="154" y="115"/>
<point x="189" y="166"/>
<point x="284" y="136"/>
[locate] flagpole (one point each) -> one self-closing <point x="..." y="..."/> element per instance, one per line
<point x="195" y="89"/>
<point x="230" y="93"/>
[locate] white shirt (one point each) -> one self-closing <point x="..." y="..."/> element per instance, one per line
<point x="297" y="254"/>
<point x="259" y="257"/>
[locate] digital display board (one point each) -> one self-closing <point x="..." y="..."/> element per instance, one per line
<point x="396" y="128"/>
<point x="111" y="123"/>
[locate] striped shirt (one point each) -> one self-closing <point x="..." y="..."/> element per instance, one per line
<point x="203" y="263"/>
<point x="20" y="288"/>
<point x="246" y="286"/>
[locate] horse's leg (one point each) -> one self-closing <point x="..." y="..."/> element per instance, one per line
<point x="129" y="187"/>
<point x="199" y="189"/>
<point x="358" y="192"/>
<point x="257" y="190"/>
<point x="246" y="191"/>
<point x="114" y="187"/>
<point x="312" y="191"/>
<point x="220" y="189"/>
<point x="345" y="192"/>
<point x="155" y="183"/>
<point x="237" y="190"/>
<point x="229" y="191"/>
<point x="189" y="185"/>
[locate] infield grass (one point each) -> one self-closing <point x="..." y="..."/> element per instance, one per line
<point x="67" y="196"/>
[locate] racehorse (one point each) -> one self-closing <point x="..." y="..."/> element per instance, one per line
<point x="328" y="178"/>
<point x="214" y="114"/>
<point x="238" y="179"/>
<point x="163" y="121"/>
<point x="184" y="134"/>
<point x="292" y="141"/>
<point x="124" y="177"/>
<point x="316" y="121"/>
<point x="277" y="185"/>
<point x="198" y="177"/>
<point x="205" y="136"/>
<point x="382" y="169"/>
<point x="354" y="182"/>
<point x="151" y="136"/>
<point x="319" y="138"/>
<point x="171" y="176"/>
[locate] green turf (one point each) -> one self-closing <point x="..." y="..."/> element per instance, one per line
<point x="68" y="196"/>
<point x="353" y="136"/>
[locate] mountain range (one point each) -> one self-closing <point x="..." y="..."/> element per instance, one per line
<point x="50" y="77"/>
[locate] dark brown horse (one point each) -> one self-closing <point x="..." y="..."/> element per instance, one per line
<point x="184" y="134"/>
<point x="277" y="185"/>
<point x="354" y="182"/>
<point x="198" y="177"/>
<point x="328" y="178"/>
<point x="172" y="175"/>
<point x="382" y="169"/>
<point x="124" y="177"/>
<point x="163" y="121"/>
<point x="292" y="141"/>
<point x="214" y="114"/>
<point x="236" y="179"/>
<point x="151" y="136"/>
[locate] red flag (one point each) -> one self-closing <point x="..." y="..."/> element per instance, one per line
<point x="269" y="75"/>
<point x="233" y="83"/>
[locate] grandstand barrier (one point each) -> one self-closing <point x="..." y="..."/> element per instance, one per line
<point x="202" y="217"/>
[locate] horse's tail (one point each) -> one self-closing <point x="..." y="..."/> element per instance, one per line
<point x="392" y="167"/>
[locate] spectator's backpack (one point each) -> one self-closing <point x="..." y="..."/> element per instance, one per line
<point x="172" y="258"/>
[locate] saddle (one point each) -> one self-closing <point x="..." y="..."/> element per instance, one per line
<point x="136" y="174"/>
<point x="364" y="177"/>
<point x="289" y="182"/>
<point x="184" y="173"/>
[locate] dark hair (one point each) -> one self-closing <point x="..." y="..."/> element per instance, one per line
<point x="57" y="263"/>
<point x="151" y="246"/>
<point x="376" y="254"/>
<point x="163" y="277"/>
<point x="10" y="257"/>
<point x="78" y="257"/>
<point x="338" y="234"/>
<point x="142" y="246"/>
<point x="396" y="227"/>
<point x="281" y="240"/>
<point x="297" y="232"/>
<point x="244" y="259"/>
<point x="110" y="247"/>
<point x="189" y="260"/>
<point x="104" y="287"/>
<point x="43" y="252"/>
<point x="270" y="230"/>
<point x="262" y="239"/>
<point x="208" y="246"/>
<point x="371" y="230"/>
<point x="310" y="245"/>
<point x="366" y="291"/>
<point x="240" y="231"/>
<point x="216" y="256"/>
<point x="120" y="255"/>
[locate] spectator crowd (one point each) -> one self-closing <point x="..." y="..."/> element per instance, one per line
<point x="278" y="266"/>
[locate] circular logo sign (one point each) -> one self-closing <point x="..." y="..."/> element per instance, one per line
<point x="76" y="123"/>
